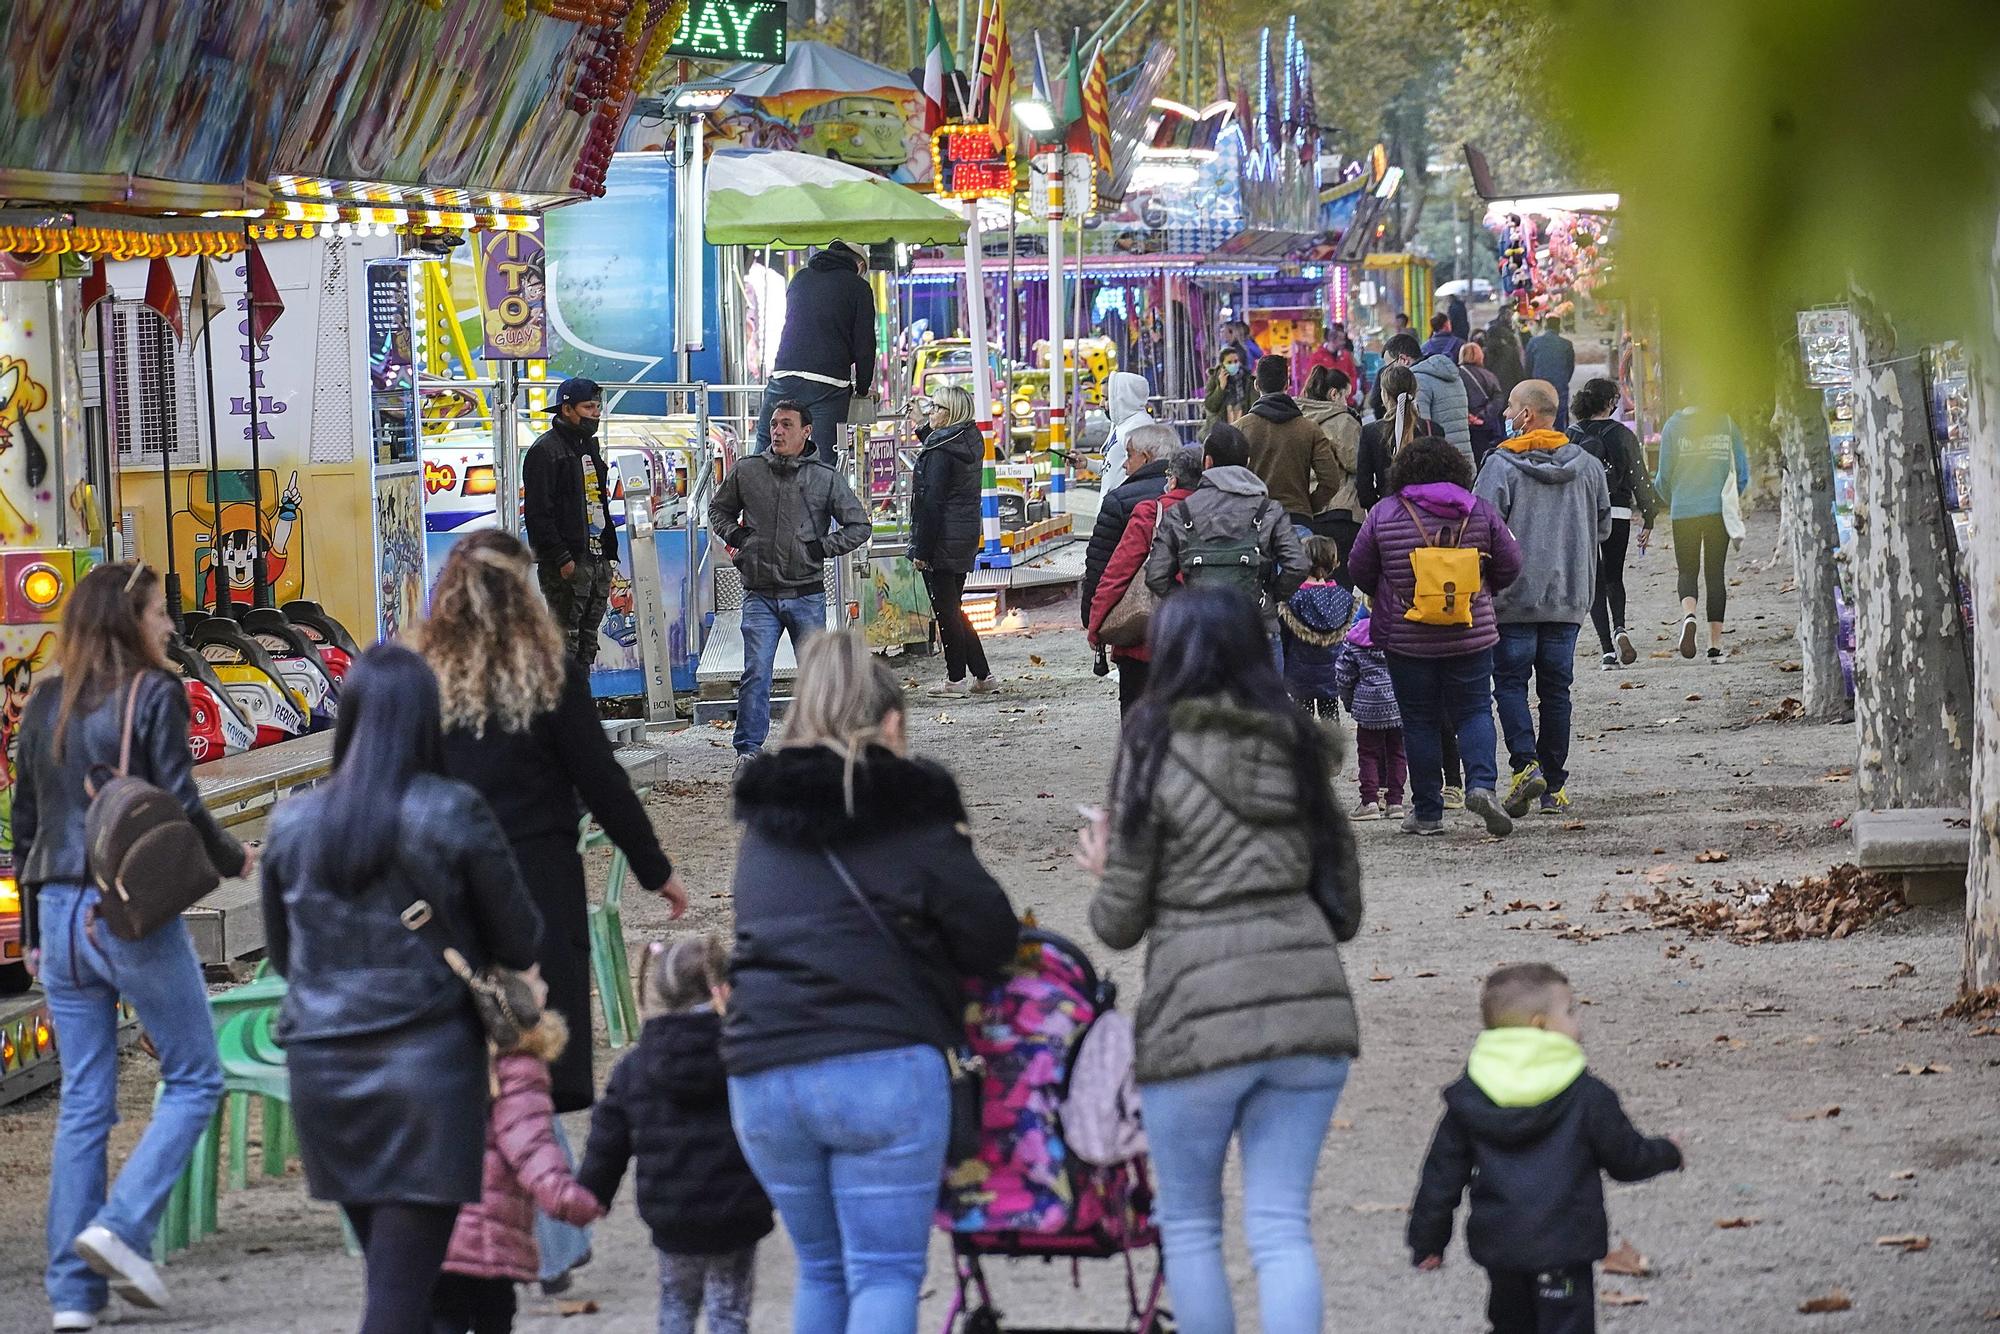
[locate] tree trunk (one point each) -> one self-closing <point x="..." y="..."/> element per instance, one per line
<point x="1800" y="423"/>
<point x="1912" y="694"/>
<point x="1982" y="884"/>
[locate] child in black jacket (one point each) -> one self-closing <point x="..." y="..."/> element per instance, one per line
<point x="667" y="1105"/>
<point x="1530" y="1130"/>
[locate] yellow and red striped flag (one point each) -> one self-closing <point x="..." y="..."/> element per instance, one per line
<point x="996" y="73"/>
<point x="1097" y="112"/>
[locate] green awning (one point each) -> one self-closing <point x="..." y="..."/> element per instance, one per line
<point x="761" y="197"/>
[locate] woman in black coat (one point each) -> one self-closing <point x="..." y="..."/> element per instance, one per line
<point x="944" y="533"/>
<point x="1612" y="444"/>
<point x="386" y="1056"/>
<point x="521" y="728"/>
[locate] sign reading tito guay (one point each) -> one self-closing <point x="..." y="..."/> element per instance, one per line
<point x="511" y="288"/>
<point x="752" y="30"/>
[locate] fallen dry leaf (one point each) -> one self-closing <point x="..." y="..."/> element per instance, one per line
<point x="1823" y="1114"/>
<point x="1902" y="969"/>
<point x="1745" y="1221"/>
<point x="1573" y="824"/>
<point x="1693" y="699"/>
<point x="1613" y="1297"/>
<point x="584" y="1307"/>
<point x="1035" y="659"/>
<point x="1789" y="666"/>
<point x="1342" y="1123"/>
<point x="1927" y="1068"/>
<point x="1425" y="973"/>
<point x="1625" y="1259"/>
<point x="1885" y="1196"/>
<point x="1709" y="856"/>
<point x="1837" y="1300"/>
<point x="1907" y="1242"/>
<point x="1370" y="1207"/>
<point x="1379" y="976"/>
<point x="1905" y="1175"/>
<point x="1822" y="907"/>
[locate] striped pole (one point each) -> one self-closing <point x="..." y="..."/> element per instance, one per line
<point x="982" y="386"/>
<point x="1058" y="396"/>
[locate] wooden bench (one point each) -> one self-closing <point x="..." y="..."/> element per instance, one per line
<point x="1929" y="846"/>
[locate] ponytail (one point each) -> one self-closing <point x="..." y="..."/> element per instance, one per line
<point x="1404" y="417"/>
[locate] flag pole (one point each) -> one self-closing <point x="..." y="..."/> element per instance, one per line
<point x="253" y="352"/>
<point x="214" y="449"/>
<point x="982" y="367"/>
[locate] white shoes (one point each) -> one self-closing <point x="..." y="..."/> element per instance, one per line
<point x="132" y="1275"/>
<point x="74" y="1320"/>
<point x="951" y="689"/>
<point x="1687" y="637"/>
<point x="986" y="685"/>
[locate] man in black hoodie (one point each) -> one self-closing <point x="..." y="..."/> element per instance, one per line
<point x="826" y="357"/>
<point x="566" y="508"/>
<point x="1529" y="1129"/>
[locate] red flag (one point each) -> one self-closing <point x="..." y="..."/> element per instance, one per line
<point x="1097" y="112"/>
<point x="265" y="303"/>
<point x="996" y="75"/>
<point x="96" y="285"/>
<point x="163" y="297"/>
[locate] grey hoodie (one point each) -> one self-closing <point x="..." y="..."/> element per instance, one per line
<point x="1441" y="398"/>
<point x="1557" y="505"/>
<point x="1232" y="502"/>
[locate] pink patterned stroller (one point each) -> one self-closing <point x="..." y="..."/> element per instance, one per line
<point x="1027" y="1194"/>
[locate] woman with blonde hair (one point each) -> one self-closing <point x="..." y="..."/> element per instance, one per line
<point x="944" y="533"/>
<point x="521" y="728"/>
<point x="860" y="907"/>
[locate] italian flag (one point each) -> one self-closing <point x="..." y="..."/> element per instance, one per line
<point x="938" y="70"/>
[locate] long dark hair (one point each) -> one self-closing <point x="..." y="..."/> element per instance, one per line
<point x="104" y="643"/>
<point x="1211" y="642"/>
<point x="388" y="734"/>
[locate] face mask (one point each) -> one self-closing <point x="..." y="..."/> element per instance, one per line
<point x="1513" y="428"/>
<point x="1234" y="369"/>
<point x="587" y="425"/>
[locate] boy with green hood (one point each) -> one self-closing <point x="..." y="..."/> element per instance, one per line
<point x="1529" y="1129"/>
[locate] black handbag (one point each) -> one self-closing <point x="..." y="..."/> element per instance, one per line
<point x="966" y="1067"/>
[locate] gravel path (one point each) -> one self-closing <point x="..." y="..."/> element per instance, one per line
<point x="1732" y="1047"/>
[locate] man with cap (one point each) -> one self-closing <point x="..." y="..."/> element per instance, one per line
<point x="566" y="505"/>
<point x="826" y="357"/>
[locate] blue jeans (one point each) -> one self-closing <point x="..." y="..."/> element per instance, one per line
<point x="826" y="409"/>
<point x="561" y="1245"/>
<point x="1438" y="692"/>
<point x="1548" y="649"/>
<point x="84" y="972"/>
<point x="851" y="1151"/>
<point x="764" y="617"/>
<point x="1281" y="1109"/>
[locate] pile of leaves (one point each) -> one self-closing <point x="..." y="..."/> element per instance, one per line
<point x="1817" y="907"/>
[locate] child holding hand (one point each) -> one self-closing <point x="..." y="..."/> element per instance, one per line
<point x="1530" y="1130"/>
<point x="1361" y="681"/>
<point x="493" y="1243"/>
<point x="667" y="1106"/>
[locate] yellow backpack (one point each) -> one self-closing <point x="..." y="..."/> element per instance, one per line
<point x="1447" y="576"/>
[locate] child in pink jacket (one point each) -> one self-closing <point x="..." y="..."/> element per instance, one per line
<point x="493" y="1245"/>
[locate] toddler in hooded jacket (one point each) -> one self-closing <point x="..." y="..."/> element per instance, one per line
<point x="493" y="1241"/>
<point x="1311" y="624"/>
<point x="1361" y="681"/>
<point x="1530" y="1130"/>
<point x="667" y="1106"/>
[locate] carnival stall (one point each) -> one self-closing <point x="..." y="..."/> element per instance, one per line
<point x="205" y="355"/>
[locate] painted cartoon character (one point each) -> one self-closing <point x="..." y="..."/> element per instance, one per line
<point x="17" y="678"/>
<point x="621" y="621"/>
<point x="20" y="394"/>
<point x="240" y="538"/>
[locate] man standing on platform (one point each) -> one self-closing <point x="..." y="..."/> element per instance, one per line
<point x="826" y="357"/>
<point x="566" y="506"/>
<point x="786" y="513"/>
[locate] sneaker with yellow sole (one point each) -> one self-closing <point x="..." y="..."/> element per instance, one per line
<point x="1556" y="802"/>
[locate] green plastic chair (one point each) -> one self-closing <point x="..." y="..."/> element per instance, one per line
<point x="609" y="962"/>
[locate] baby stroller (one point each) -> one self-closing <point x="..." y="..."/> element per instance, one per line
<point x="1028" y="1194"/>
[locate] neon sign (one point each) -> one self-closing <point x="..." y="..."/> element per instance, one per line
<point x="967" y="162"/>
<point x="752" y="30"/>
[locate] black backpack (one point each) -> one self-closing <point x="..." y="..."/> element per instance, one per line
<point x="1224" y="561"/>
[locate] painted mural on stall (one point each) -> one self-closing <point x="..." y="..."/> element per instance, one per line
<point x="219" y="533"/>
<point x="399" y="535"/>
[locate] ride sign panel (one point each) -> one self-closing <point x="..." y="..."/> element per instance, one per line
<point x="750" y="30"/>
<point x="967" y="163"/>
<point x="512" y="304"/>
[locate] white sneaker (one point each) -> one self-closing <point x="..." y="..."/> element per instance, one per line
<point x="1393" y="811"/>
<point x="1367" y="810"/>
<point x="1628" y="652"/>
<point x="74" y="1320"/>
<point x="986" y="685"/>
<point x="132" y="1275"/>
<point x="951" y="689"/>
<point x="1687" y="637"/>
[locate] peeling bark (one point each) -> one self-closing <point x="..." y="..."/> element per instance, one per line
<point x="1913" y="696"/>
<point x="1807" y="512"/>
<point x="1982" y="884"/>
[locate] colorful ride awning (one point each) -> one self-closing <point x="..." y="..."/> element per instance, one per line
<point x="764" y="197"/>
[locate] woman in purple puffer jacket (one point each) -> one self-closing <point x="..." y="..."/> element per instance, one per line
<point x="1443" y="673"/>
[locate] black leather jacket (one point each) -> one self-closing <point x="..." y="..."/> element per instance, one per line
<point x="49" y="796"/>
<point x="351" y="964"/>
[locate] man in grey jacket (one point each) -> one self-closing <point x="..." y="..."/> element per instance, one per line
<point x="1229" y="531"/>
<point x="1554" y="497"/>
<point x="786" y="513"/>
